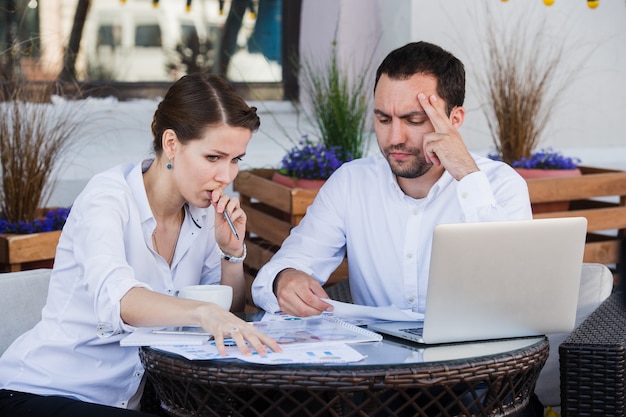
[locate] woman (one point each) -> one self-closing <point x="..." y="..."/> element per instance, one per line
<point x="135" y="235"/>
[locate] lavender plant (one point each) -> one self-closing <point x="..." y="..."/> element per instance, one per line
<point x="52" y="220"/>
<point x="543" y="159"/>
<point x="547" y="159"/>
<point x="311" y="160"/>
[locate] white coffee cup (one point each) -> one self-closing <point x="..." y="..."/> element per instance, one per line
<point x="222" y="295"/>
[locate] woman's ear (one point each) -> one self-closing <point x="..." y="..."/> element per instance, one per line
<point x="169" y="143"/>
<point x="457" y="116"/>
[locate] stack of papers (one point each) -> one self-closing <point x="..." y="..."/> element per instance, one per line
<point x="338" y="353"/>
<point x="318" y="339"/>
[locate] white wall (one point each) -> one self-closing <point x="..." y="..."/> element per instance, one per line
<point x="587" y="121"/>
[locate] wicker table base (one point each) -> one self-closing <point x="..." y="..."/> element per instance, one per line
<point x="497" y="385"/>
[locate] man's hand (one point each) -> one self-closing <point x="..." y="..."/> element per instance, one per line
<point x="445" y="145"/>
<point x="299" y="294"/>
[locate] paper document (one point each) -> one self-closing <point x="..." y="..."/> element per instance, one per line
<point x="317" y="339"/>
<point x="340" y="353"/>
<point x="355" y="311"/>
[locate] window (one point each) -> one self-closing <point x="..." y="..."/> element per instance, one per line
<point x="189" y="34"/>
<point x="133" y="41"/>
<point x="108" y="36"/>
<point x="148" y="36"/>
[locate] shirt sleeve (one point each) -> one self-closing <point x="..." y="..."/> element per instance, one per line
<point x="315" y="246"/>
<point x="500" y="195"/>
<point x="100" y="223"/>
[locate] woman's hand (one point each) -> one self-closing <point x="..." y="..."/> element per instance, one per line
<point x="141" y="307"/>
<point x="223" y="324"/>
<point x="228" y="242"/>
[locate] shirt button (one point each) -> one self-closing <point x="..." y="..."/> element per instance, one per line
<point x="464" y="195"/>
<point x="169" y="291"/>
<point x="411" y="299"/>
<point x="138" y="374"/>
<point x="123" y="404"/>
<point x="415" y="212"/>
<point x="409" y="256"/>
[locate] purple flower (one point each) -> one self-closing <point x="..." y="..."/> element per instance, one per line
<point x="543" y="159"/>
<point x="52" y="220"/>
<point x="312" y="160"/>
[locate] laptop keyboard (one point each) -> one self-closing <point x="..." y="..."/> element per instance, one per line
<point x="418" y="331"/>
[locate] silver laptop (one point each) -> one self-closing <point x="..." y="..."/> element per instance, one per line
<point x="495" y="280"/>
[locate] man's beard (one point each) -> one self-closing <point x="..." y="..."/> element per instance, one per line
<point x="407" y="169"/>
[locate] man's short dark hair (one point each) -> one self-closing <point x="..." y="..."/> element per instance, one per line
<point x="428" y="59"/>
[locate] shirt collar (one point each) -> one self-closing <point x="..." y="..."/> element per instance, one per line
<point x="138" y="190"/>
<point x="441" y="184"/>
<point x="135" y="180"/>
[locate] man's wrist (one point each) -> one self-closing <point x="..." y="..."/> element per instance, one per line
<point x="277" y="277"/>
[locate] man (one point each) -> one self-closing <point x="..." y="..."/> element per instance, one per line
<point x="381" y="211"/>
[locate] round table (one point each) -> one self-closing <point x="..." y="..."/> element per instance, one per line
<point x="493" y="378"/>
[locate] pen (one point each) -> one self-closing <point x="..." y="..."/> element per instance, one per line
<point x="231" y="225"/>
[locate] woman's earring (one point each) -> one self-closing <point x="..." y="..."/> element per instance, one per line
<point x="169" y="164"/>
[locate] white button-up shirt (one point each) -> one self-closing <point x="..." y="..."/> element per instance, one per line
<point x="361" y="212"/>
<point x="105" y="249"/>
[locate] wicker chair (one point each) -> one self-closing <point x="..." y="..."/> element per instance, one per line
<point x="593" y="363"/>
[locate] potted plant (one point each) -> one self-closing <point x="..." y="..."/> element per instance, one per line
<point x="47" y="221"/>
<point x="309" y="164"/>
<point x="521" y="86"/>
<point x="339" y="105"/>
<point x="36" y="131"/>
<point x="547" y="159"/>
<point x="338" y="110"/>
<point x="544" y="163"/>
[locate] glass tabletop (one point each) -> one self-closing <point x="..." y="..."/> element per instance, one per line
<point x="396" y="351"/>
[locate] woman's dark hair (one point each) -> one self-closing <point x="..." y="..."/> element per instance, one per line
<point x="196" y="102"/>
<point x="426" y="58"/>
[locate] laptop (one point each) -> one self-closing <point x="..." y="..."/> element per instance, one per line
<point x="495" y="280"/>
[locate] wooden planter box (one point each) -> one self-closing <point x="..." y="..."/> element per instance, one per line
<point x="600" y="196"/>
<point x="272" y="211"/>
<point x="21" y="252"/>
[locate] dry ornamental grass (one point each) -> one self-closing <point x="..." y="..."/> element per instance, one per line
<point x="36" y="130"/>
<point x="522" y="83"/>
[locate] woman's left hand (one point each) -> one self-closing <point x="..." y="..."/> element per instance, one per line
<point x="223" y="324"/>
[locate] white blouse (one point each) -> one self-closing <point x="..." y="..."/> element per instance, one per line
<point x="105" y="249"/>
